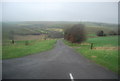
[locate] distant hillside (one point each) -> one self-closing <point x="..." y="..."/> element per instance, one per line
<point x="44" y="27"/>
<point x="96" y="24"/>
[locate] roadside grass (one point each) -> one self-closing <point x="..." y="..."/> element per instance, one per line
<point x="106" y="58"/>
<point x="20" y="49"/>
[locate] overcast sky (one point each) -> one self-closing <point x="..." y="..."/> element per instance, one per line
<point x="106" y="12"/>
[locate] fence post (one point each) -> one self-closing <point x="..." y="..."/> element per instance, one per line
<point x="91" y="45"/>
<point x="13" y="41"/>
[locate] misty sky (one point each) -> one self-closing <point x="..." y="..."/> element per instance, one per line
<point x="106" y="12"/>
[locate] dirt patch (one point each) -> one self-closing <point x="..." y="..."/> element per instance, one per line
<point x="93" y="56"/>
<point x="85" y="43"/>
<point x="106" y="48"/>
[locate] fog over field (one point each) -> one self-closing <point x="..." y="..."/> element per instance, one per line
<point x="106" y="12"/>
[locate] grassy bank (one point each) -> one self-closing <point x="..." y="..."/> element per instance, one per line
<point x="105" y="57"/>
<point x="19" y="49"/>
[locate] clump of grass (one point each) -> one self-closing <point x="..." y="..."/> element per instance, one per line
<point x="20" y="49"/>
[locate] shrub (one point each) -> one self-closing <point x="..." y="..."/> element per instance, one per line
<point x="75" y="34"/>
<point x="101" y="33"/>
<point x="26" y="43"/>
<point x="112" y="33"/>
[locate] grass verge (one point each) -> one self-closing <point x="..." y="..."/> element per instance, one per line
<point x="20" y="49"/>
<point x="106" y="58"/>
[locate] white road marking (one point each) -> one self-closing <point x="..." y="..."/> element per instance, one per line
<point x="71" y="77"/>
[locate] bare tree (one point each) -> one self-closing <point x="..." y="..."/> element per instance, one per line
<point x="75" y="34"/>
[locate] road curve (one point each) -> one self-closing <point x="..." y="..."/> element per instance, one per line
<point x="62" y="62"/>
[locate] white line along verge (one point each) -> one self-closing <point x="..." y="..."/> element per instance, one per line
<point x="71" y="77"/>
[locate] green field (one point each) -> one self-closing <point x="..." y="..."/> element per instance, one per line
<point x="104" y="41"/>
<point x="108" y="58"/>
<point x="19" y="49"/>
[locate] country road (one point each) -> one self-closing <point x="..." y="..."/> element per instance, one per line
<point x="62" y="62"/>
